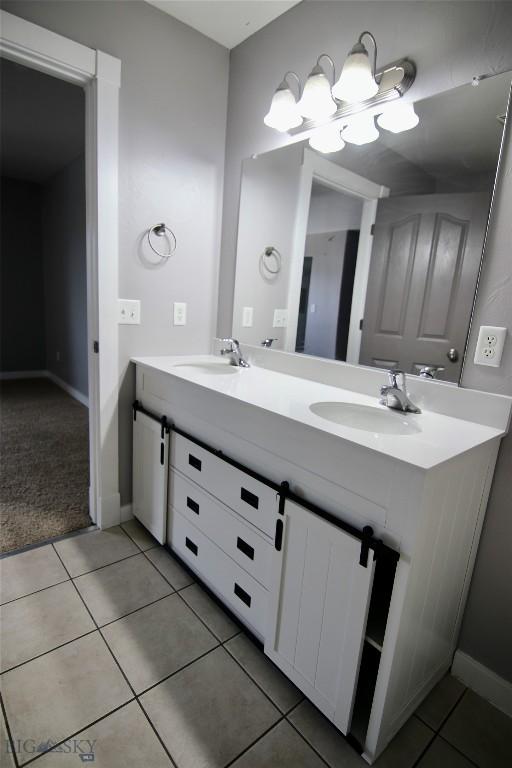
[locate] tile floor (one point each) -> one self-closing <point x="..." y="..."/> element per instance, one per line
<point x="111" y="651"/>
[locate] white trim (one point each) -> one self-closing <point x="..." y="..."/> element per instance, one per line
<point x="483" y="681"/>
<point x="8" y="375"/>
<point x="335" y="177"/>
<point x="75" y="393"/>
<point x="99" y="74"/>
<point x="126" y="513"/>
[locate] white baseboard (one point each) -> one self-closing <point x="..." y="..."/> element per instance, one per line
<point x="68" y="388"/>
<point x="483" y="681"/>
<point x="7" y="375"/>
<point x="126" y="513"/>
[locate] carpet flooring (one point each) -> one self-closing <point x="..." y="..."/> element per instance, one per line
<point x="44" y="463"/>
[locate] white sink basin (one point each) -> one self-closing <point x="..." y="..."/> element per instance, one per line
<point x="367" y="418"/>
<point x="215" y="369"/>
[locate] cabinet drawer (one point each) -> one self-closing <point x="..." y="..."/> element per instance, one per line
<point x="241" y="542"/>
<point x="252" y="499"/>
<point x="239" y="591"/>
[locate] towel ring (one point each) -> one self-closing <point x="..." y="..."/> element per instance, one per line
<point x="271" y="253"/>
<point x="160" y="230"/>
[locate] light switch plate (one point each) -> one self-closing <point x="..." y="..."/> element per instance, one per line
<point x="247" y="317"/>
<point x="489" y="346"/>
<point x="129" y="311"/>
<point x="280" y="318"/>
<point x="180" y="313"/>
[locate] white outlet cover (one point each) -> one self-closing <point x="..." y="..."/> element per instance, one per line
<point x="129" y="311"/>
<point x="489" y="346"/>
<point x="247" y="317"/>
<point x="280" y="318"/>
<point x="179" y="313"/>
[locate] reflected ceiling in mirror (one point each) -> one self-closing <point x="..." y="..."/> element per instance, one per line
<point x="371" y="254"/>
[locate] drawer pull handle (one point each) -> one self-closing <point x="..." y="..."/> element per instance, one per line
<point x="196" y="463"/>
<point x="243" y="595"/>
<point x="278" y="540"/>
<point x="246" y="548"/>
<point x="190" y="545"/>
<point x="193" y="505"/>
<point x="249" y="498"/>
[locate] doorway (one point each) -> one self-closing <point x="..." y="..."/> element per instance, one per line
<point x="44" y="486"/>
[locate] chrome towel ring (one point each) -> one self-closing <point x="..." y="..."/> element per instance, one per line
<point x="271" y="260"/>
<point x="161" y="230"/>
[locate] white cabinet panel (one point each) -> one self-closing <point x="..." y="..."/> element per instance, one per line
<point x="319" y="601"/>
<point x="150" y="475"/>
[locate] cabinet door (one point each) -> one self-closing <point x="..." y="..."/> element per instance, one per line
<point x="319" y="601"/>
<point x="150" y="475"/>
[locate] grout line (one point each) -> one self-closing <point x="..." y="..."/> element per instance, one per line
<point x="443" y="738"/>
<point x="102" y="567"/>
<point x="8" y="729"/>
<point x="76" y="733"/>
<point x="36" y="592"/>
<point x="425" y="749"/>
<point x="176" y="671"/>
<point x="135" y="610"/>
<point x="261" y="736"/>
<point x="167" y="752"/>
<point x="50" y="650"/>
<point x="153" y="546"/>
<point x="48" y="542"/>
<point x="452" y="710"/>
<point x="315" y="750"/>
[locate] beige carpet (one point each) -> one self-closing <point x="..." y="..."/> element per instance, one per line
<point x="44" y="463"/>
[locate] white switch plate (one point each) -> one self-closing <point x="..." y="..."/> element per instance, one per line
<point x="247" y="317"/>
<point x="129" y="311"/>
<point x="489" y="347"/>
<point x="280" y="318"/>
<point x="180" y="313"/>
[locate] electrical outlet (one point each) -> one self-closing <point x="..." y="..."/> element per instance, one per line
<point x="280" y="318"/>
<point x="489" y="347"/>
<point x="180" y="313"/>
<point x="129" y="311"/>
<point x="247" y="317"/>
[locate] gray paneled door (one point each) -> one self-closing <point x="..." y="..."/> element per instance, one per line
<point x="423" y="272"/>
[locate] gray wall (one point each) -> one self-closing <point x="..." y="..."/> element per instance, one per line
<point x="22" y="346"/>
<point x="173" y="101"/>
<point x="450" y="42"/>
<point x="65" y="274"/>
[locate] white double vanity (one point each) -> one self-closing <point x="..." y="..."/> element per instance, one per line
<point x="342" y="533"/>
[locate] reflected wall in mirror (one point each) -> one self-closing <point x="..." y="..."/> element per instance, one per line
<point x="371" y="255"/>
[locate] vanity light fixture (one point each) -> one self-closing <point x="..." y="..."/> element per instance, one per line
<point x="357" y="79"/>
<point x="360" y="90"/>
<point x="360" y="130"/>
<point x="398" y="117"/>
<point x="284" y="113"/>
<point x="327" y="139"/>
<point x="316" y="102"/>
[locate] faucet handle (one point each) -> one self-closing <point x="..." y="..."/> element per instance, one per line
<point x="234" y="343"/>
<point x="393" y="375"/>
<point x="268" y="342"/>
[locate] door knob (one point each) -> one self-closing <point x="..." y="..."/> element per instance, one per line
<point x="452" y="355"/>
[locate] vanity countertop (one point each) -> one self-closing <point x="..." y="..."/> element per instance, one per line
<point x="428" y="439"/>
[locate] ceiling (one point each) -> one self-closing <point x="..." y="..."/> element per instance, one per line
<point x="42" y="123"/>
<point x="228" y="22"/>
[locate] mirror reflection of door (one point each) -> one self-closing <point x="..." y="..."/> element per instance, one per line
<point x="330" y="257"/>
<point x="423" y="273"/>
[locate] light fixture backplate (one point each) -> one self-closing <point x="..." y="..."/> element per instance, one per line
<point x="394" y="81"/>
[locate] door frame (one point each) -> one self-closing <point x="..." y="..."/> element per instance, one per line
<point x="99" y="74"/>
<point x="317" y="168"/>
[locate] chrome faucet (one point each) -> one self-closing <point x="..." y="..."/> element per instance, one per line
<point x="268" y="342"/>
<point x="395" y="397"/>
<point x="236" y="354"/>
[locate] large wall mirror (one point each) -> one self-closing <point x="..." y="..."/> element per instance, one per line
<point x="371" y="255"/>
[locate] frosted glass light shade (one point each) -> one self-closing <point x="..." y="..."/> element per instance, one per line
<point x="356" y="82"/>
<point x="316" y="102"/>
<point x="283" y="113"/>
<point x="398" y="117"/>
<point x="360" y="130"/>
<point x="327" y="140"/>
